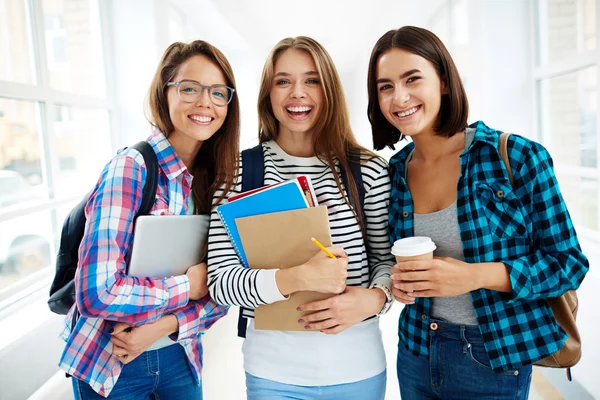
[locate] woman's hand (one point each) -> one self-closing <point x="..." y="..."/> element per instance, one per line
<point x="197" y="277"/>
<point x="129" y="342"/>
<point x="440" y="277"/>
<point x="338" y="313"/>
<point x="320" y="274"/>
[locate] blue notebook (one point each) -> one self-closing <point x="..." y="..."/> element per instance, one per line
<point x="283" y="197"/>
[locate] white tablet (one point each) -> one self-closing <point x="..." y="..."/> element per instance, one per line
<point x="167" y="245"/>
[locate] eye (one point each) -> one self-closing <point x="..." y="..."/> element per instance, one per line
<point x="188" y="89"/>
<point x="385" y="87"/>
<point x="313" y="81"/>
<point x="282" y="82"/>
<point x="413" y="79"/>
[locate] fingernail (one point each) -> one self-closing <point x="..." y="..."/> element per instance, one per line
<point x="298" y="309"/>
<point x="307" y="327"/>
<point x="300" y="321"/>
<point x="111" y="330"/>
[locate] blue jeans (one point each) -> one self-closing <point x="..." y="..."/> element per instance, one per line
<point x="458" y="368"/>
<point x="367" y="389"/>
<point x="155" y="374"/>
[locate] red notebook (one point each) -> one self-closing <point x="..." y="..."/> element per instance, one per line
<point x="303" y="180"/>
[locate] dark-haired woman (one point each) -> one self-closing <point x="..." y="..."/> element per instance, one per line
<point x="476" y="316"/>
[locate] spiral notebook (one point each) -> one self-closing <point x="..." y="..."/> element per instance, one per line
<point x="284" y="197"/>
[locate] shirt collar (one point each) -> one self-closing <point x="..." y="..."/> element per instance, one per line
<point x="483" y="134"/>
<point x="168" y="159"/>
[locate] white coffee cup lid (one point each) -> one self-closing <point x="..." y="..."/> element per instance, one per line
<point x="413" y="246"/>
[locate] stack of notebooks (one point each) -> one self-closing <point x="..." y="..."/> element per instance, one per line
<point x="270" y="228"/>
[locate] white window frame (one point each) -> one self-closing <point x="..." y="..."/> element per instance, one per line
<point x="48" y="98"/>
<point x="557" y="68"/>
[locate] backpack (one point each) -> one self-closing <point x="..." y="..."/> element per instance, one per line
<point x="564" y="307"/>
<point x="253" y="174"/>
<point x="62" y="290"/>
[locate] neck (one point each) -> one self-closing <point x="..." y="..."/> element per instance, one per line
<point x="297" y="144"/>
<point x="430" y="148"/>
<point x="185" y="147"/>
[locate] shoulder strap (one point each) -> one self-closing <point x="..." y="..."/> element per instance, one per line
<point x="503" y="147"/>
<point x="253" y="177"/>
<point x="149" y="191"/>
<point x="354" y="161"/>
<point x="253" y="168"/>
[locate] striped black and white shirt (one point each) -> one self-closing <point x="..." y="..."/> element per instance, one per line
<point x="232" y="284"/>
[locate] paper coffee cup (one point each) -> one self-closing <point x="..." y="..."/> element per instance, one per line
<point x="413" y="249"/>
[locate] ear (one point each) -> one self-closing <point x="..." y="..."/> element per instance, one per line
<point x="443" y="86"/>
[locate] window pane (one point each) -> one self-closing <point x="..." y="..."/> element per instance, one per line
<point x="74" y="46"/>
<point x="581" y="195"/>
<point x="569" y="117"/>
<point x="567" y="27"/>
<point x="21" y="177"/>
<point x="82" y="140"/>
<point x="26" y="247"/>
<point x="16" y="59"/>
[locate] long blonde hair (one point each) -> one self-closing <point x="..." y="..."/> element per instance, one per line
<point x="333" y="135"/>
<point x="210" y="172"/>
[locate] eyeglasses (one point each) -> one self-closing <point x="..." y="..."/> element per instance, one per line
<point x="190" y="92"/>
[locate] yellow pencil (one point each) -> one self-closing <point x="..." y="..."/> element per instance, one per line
<point x="319" y="245"/>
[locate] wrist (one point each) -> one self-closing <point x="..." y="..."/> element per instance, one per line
<point x="379" y="299"/>
<point x="385" y="299"/>
<point x="289" y="280"/>
<point x="168" y="325"/>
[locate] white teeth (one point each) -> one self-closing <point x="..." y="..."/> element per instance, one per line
<point x="299" y="109"/>
<point x="201" y="118"/>
<point x="408" y="112"/>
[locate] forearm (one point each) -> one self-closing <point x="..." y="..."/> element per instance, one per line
<point x="291" y="280"/>
<point x="492" y="276"/>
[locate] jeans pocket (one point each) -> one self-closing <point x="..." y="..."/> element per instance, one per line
<point x="477" y="354"/>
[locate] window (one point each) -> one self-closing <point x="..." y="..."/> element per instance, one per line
<point x="55" y="134"/>
<point x="567" y="87"/>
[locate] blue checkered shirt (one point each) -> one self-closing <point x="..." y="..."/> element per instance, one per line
<point x="526" y="226"/>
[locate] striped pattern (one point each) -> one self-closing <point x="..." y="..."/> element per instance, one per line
<point x="232" y="284"/>
<point x="105" y="293"/>
<point x="526" y="226"/>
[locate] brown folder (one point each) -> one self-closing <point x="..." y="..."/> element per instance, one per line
<point x="282" y="240"/>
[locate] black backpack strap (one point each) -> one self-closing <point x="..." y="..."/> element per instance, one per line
<point x="253" y="177"/>
<point x="354" y="161"/>
<point x="149" y="191"/>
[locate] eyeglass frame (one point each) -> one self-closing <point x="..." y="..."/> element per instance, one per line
<point x="209" y="88"/>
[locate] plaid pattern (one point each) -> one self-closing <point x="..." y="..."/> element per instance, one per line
<point x="526" y="226"/>
<point x="105" y="294"/>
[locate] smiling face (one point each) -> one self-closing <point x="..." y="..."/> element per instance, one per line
<point x="200" y="120"/>
<point x="296" y="93"/>
<point x="409" y="91"/>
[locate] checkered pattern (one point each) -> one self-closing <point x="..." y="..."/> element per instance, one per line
<point x="105" y="293"/>
<point x="526" y="226"/>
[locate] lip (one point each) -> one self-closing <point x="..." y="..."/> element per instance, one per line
<point x="298" y="118"/>
<point x="397" y="117"/>
<point x="201" y="123"/>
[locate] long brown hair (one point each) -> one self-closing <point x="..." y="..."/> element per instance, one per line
<point x="333" y="135"/>
<point x="454" y="108"/>
<point x="210" y="172"/>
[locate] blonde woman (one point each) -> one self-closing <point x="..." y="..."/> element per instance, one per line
<point x="304" y="129"/>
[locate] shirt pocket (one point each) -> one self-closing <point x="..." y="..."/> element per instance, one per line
<point x="502" y="209"/>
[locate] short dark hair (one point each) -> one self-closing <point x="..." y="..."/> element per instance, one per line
<point x="454" y="108"/>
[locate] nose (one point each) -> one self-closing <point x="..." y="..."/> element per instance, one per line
<point x="204" y="98"/>
<point x="401" y="96"/>
<point x="298" y="91"/>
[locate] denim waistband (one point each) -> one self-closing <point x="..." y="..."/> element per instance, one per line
<point x="447" y="330"/>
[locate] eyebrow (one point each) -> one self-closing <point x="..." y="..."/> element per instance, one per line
<point x="404" y="75"/>
<point x="309" y="73"/>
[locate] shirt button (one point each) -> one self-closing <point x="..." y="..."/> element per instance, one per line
<point x="424" y="317"/>
<point x="405" y="214"/>
<point x="500" y="193"/>
<point x="516" y="373"/>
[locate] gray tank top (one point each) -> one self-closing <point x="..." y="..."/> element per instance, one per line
<point x="442" y="227"/>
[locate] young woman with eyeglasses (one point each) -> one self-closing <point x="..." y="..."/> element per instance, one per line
<point x="136" y="337"/>
<point x="476" y="317"/>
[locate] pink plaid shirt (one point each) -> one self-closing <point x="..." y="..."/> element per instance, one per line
<point x="106" y="294"/>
